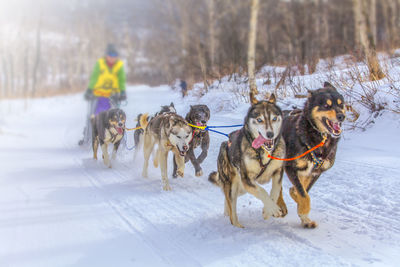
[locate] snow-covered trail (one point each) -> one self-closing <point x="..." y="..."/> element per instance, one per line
<point x="60" y="208"/>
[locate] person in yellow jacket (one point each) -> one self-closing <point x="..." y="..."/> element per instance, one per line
<point x="107" y="81"/>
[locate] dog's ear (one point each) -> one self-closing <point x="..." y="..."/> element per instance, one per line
<point x="272" y="99"/>
<point x="253" y="99"/>
<point x="172" y="104"/>
<point x="328" y="84"/>
<point x="309" y="93"/>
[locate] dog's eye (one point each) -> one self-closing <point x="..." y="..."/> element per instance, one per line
<point x="327" y="106"/>
<point x="275" y="118"/>
<point x="186" y="136"/>
<point x="259" y="120"/>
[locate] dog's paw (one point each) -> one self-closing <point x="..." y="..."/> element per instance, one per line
<point x="283" y="209"/>
<point x="166" y="187"/>
<point x="180" y="173"/>
<point x="237" y="224"/>
<point x="174" y="175"/>
<point x="107" y="163"/>
<point x="308" y="223"/>
<point x="144" y="174"/>
<point x="271" y="210"/>
<point x="199" y="173"/>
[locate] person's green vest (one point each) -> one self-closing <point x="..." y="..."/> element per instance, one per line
<point x="107" y="81"/>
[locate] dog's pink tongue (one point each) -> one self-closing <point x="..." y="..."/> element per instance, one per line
<point x="336" y="126"/>
<point x="259" y="141"/>
<point x="120" y="130"/>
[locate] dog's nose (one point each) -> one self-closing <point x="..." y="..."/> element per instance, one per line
<point x="120" y="124"/>
<point x="270" y="135"/>
<point x="340" y="117"/>
<point x="203" y="122"/>
<point x="185" y="147"/>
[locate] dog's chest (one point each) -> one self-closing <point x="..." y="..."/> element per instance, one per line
<point x="261" y="171"/>
<point x="112" y="136"/>
<point x="196" y="140"/>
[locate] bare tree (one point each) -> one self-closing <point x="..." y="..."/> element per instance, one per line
<point x="251" y="52"/>
<point x="362" y="13"/>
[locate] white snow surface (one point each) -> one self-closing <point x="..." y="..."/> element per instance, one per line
<point x="59" y="207"/>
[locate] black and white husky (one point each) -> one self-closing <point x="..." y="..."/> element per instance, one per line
<point x="108" y="128"/>
<point x="243" y="163"/>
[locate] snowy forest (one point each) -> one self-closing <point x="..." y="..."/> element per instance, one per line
<point x="199" y="133"/>
<point x="48" y="47"/>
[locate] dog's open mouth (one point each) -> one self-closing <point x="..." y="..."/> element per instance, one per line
<point x="120" y="130"/>
<point x="182" y="153"/>
<point x="201" y="125"/>
<point x="260" y="140"/>
<point x="335" y="128"/>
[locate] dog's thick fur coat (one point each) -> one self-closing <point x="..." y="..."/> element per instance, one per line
<point x="322" y="115"/>
<point x="108" y="128"/>
<point x="138" y="134"/>
<point x="242" y="167"/>
<point x="169" y="132"/>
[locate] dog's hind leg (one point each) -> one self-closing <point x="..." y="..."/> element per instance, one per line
<point x="95" y="146"/>
<point x="231" y="195"/>
<point x="138" y="144"/>
<point x="156" y="158"/>
<point x="106" y="158"/>
<point x="147" y="149"/>
<point x="163" y="157"/>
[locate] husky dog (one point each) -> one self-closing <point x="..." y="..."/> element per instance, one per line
<point x="108" y="128"/>
<point x="321" y="117"/>
<point x="198" y="115"/>
<point x="139" y="132"/>
<point x="243" y="164"/>
<point x="171" y="133"/>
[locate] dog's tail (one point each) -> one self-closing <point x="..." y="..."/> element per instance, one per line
<point x="217" y="177"/>
<point x="138" y="119"/>
<point x="143" y="120"/>
<point x="214" y="178"/>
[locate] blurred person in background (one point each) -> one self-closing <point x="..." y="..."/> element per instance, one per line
<point x="106" y="87"/>
<point x="107" y="82"/>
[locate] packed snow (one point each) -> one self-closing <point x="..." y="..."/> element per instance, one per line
<point x="59" y="207"/>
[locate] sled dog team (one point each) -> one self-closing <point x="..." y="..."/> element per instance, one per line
<point x="268" y="144"/>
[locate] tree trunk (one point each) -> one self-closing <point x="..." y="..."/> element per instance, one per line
<point x="251" y="52"/>
<point x="37" y="58"/>
<point x="211" y="30"/>
<point x="361" y="14"/>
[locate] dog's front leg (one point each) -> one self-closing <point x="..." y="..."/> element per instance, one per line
<point x="196" y="165"/>
<point x="163" y="157"/>
<point x="205" y="143"/>
<point x="174" y="174"/>
<point x="276" y="191"/>
<point x="114" y="153"/>
<point x="270" y="207"/>
<point x="106" y="158"/>
<point x="301" y="197"/>
<point x="180" y="163"/>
